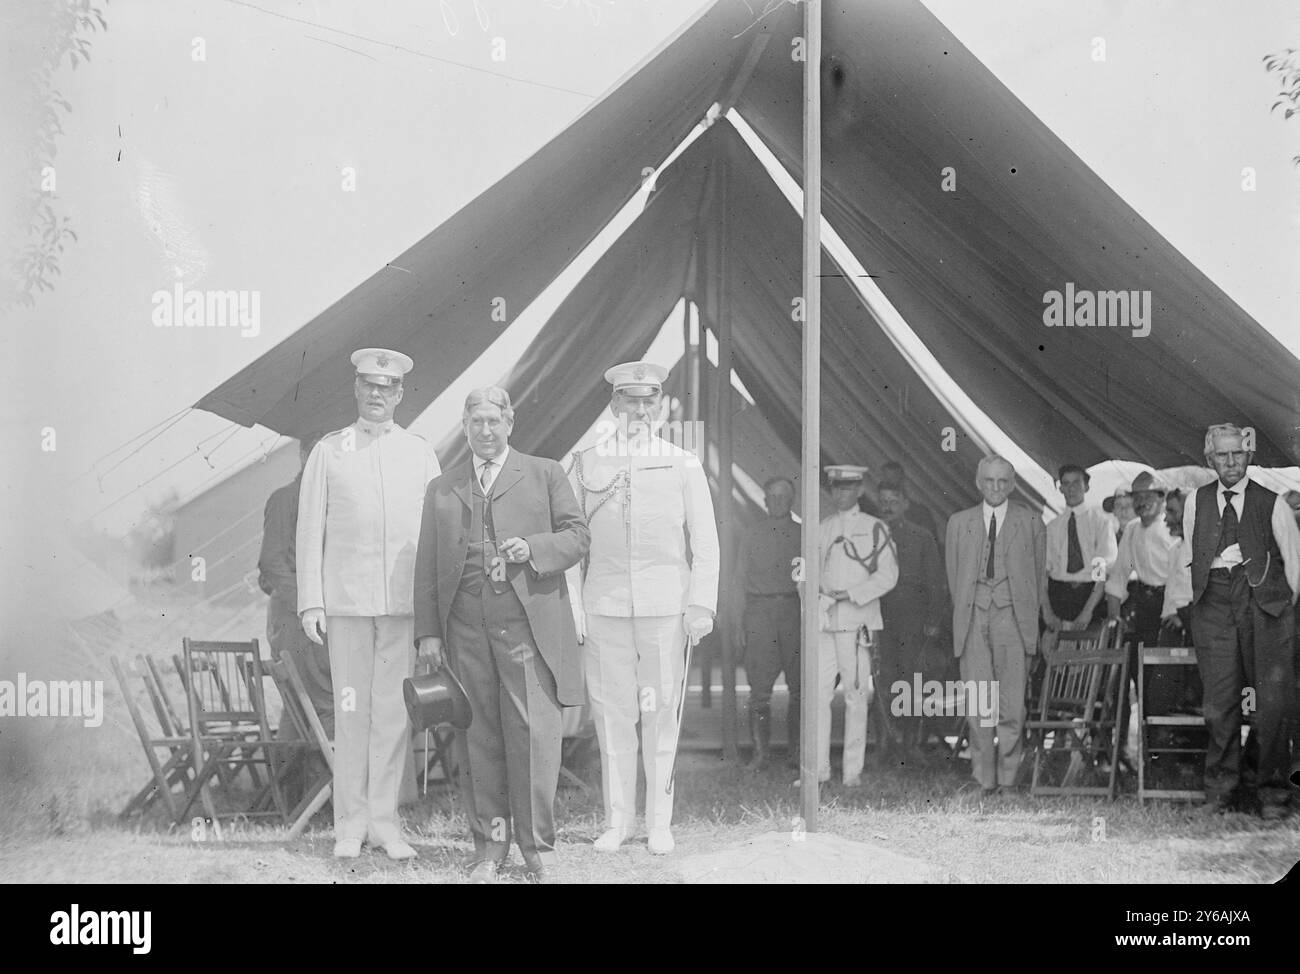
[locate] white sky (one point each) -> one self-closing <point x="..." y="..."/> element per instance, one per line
<point x="230" y="170"/>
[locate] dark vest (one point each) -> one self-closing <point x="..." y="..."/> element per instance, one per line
<point x="1262" y="559"/>
<point x="481" y="546"/>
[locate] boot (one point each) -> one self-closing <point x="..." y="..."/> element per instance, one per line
<point x="760" y="728"/>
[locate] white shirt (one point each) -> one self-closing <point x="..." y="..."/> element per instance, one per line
<point x="1000" y="511"/>
<point x="359" y="510"/>
<point x="497" y="463"/>
<point x="1145" y="550"/>
<point x="1178" y="586"/>
<point x="842" y="572"/>
<point x="1285" y="533"/>
<point x="1096" y="531"/>
<point x="643" y="500"/>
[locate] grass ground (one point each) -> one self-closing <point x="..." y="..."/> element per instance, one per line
<point x="62" y="784"/>
<point x="71" y="835"/>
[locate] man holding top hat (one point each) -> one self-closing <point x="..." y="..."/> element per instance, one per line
<point x="859" y="565"/>
<point x="498" y="532"/>
<point x="643" y="602"/>
<point x="358" y="520"/>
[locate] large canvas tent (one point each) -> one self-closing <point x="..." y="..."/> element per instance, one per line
<point x="967" y="268"/>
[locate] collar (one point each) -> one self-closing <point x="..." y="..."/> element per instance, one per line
<point x="1238" y="489"/>
<point x="1000" y="511"/>
<point x="376" y="429"/>
<point x="498" y="461"/>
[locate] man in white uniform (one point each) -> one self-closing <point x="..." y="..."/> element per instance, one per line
<point x="644" y="499"/>
<point x="859" y="565"/>
<point x="358" y="524"/>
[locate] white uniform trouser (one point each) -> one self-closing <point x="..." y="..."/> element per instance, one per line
<point x="634" y="670"/>
<point x="369" y="659"/>
<point x="838" y="653"/>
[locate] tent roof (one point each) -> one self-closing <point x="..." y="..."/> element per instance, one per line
<point x="967" y="269"/>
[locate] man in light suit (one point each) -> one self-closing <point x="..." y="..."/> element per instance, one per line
<point x="642" y="597"/>
<point x="996" y="556"/>
<point x="358" y="519"/>
<point x="497" y="534"/>
<point x="859" y="567"/>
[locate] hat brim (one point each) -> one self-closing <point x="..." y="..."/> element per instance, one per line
<point x="377" y="379"/>
<point x="638" y="389"/>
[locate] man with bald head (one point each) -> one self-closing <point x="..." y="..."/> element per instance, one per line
<point x="996" y="554"/>
<point x="1244" y="571"/>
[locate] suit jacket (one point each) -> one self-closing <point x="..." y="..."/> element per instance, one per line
<point x="1022" y="548"/>
<point x="531" y="499"/>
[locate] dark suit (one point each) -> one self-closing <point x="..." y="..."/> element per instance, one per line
<point x="995" y="623"/>
<point x="917" y="601"/>
<point x="509" y="636"/>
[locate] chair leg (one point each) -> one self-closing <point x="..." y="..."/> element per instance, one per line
<point x="313" y="805"/>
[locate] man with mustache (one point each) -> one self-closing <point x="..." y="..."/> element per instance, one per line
<point x="645" y="499"/>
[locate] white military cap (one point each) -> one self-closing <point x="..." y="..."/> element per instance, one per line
<point x="845" y="473"/>
<point x="637" y="378"/>
<point x="381" y="366"/>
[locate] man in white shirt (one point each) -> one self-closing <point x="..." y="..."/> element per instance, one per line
<point x="859" y="565"/>
<point x="1080" y="551"/>
<point x="1244" y="573"/>
<point x="358" y="522"/>
<point x="641" y="598"/>
<point x="1145" y="551"/>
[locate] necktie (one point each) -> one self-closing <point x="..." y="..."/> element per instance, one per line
<point x="485" y="477"/>
<point x="993" y="540"/>
<point x="1228" y="522"/>
<point x="1074" y="560"/>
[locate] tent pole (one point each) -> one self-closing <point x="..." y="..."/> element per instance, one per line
<point x="727" y="508"/>
<point x="810" y="468"/>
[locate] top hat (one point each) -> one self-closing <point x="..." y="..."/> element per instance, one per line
<point x="436" y="698"/>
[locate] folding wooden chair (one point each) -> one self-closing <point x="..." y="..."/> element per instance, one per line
<point x="299" y="710"/>
<point x="228" y="724"/>
<point x="1172" y="733"/>
<point x="175" y="770"/>
<point x="1076" y="727"/>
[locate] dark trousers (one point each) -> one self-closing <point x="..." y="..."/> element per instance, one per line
<point x="902" y="646"/>
<point x="1141" y="615"/>
<point x="1068" y="599"/>
<point x="510" y="755"/>
<point x="1240" y="645"/>
<point x="772" y="641"/>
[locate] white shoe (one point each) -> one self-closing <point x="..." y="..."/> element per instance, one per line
<point x="854" y="782"/>
<point x="661" y="842"/>
<point x="347" y="848"/>
<point x="611" y="839"/>
<point x="399" y="849"/>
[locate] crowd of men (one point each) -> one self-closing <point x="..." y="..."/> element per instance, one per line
<point x="1217" y="568"/>
<point x="542" y="585"/>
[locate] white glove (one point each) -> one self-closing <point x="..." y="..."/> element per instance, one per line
<point x="313" y="624"/>
<point x="698" y="622"/>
